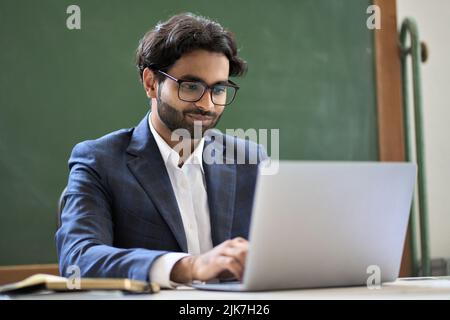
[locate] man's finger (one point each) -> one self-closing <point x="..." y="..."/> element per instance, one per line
<point x="232" y="265"/>
<point x="238" y="243"/>
<point x="239" y="239"/>
<point x="240" y="254"/>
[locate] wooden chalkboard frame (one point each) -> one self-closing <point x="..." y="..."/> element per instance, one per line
<point x="390" y="99"/>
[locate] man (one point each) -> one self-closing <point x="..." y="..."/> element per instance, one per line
<point x="143" y="203"/>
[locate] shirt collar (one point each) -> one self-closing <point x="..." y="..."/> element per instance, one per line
<point x="172" y="157"/>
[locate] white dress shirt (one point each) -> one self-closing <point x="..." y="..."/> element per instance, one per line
<point x="188" y="184"/>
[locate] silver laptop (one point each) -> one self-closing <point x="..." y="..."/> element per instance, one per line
<point x="326" y="224"/>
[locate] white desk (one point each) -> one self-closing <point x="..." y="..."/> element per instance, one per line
<point x="438" y="288"/>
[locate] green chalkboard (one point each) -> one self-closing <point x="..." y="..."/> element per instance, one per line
<point x="311" y="75"/>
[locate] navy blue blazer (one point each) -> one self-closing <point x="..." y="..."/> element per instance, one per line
<point x="121" y="213"/>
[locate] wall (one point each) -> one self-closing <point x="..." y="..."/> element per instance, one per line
<point x="433" y="19"/>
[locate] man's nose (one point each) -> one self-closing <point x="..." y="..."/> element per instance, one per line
<point x="205" y="103"/>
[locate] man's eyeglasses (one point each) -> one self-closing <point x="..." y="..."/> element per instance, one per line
<point x="222" y="94"/>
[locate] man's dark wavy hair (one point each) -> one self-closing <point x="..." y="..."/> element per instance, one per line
<point x="162" y="46"/>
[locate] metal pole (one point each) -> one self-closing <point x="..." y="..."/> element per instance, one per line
<point x="409" y="26"/>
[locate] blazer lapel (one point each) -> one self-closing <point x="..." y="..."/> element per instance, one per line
<point x="220" y="186"/>
<point x="149" y="169"/>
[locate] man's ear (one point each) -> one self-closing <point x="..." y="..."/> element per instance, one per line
<point x="150" y="83"/>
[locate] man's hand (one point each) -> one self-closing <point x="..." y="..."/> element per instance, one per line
<point x="223" y="261"/>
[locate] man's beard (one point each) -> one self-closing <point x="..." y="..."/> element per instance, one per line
<point x="175" y="119"/>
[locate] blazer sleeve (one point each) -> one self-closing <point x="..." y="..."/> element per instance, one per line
<point x="85" y="237"/>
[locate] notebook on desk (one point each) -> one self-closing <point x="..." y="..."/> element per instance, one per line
<point x="54" y="283"/>
<point x="326" y="224"/>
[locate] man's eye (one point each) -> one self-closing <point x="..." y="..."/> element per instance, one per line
<point x="219" y="90"/>
<point x="190" y="86"/>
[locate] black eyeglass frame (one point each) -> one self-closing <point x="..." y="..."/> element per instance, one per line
<point x="205" y="86"/>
